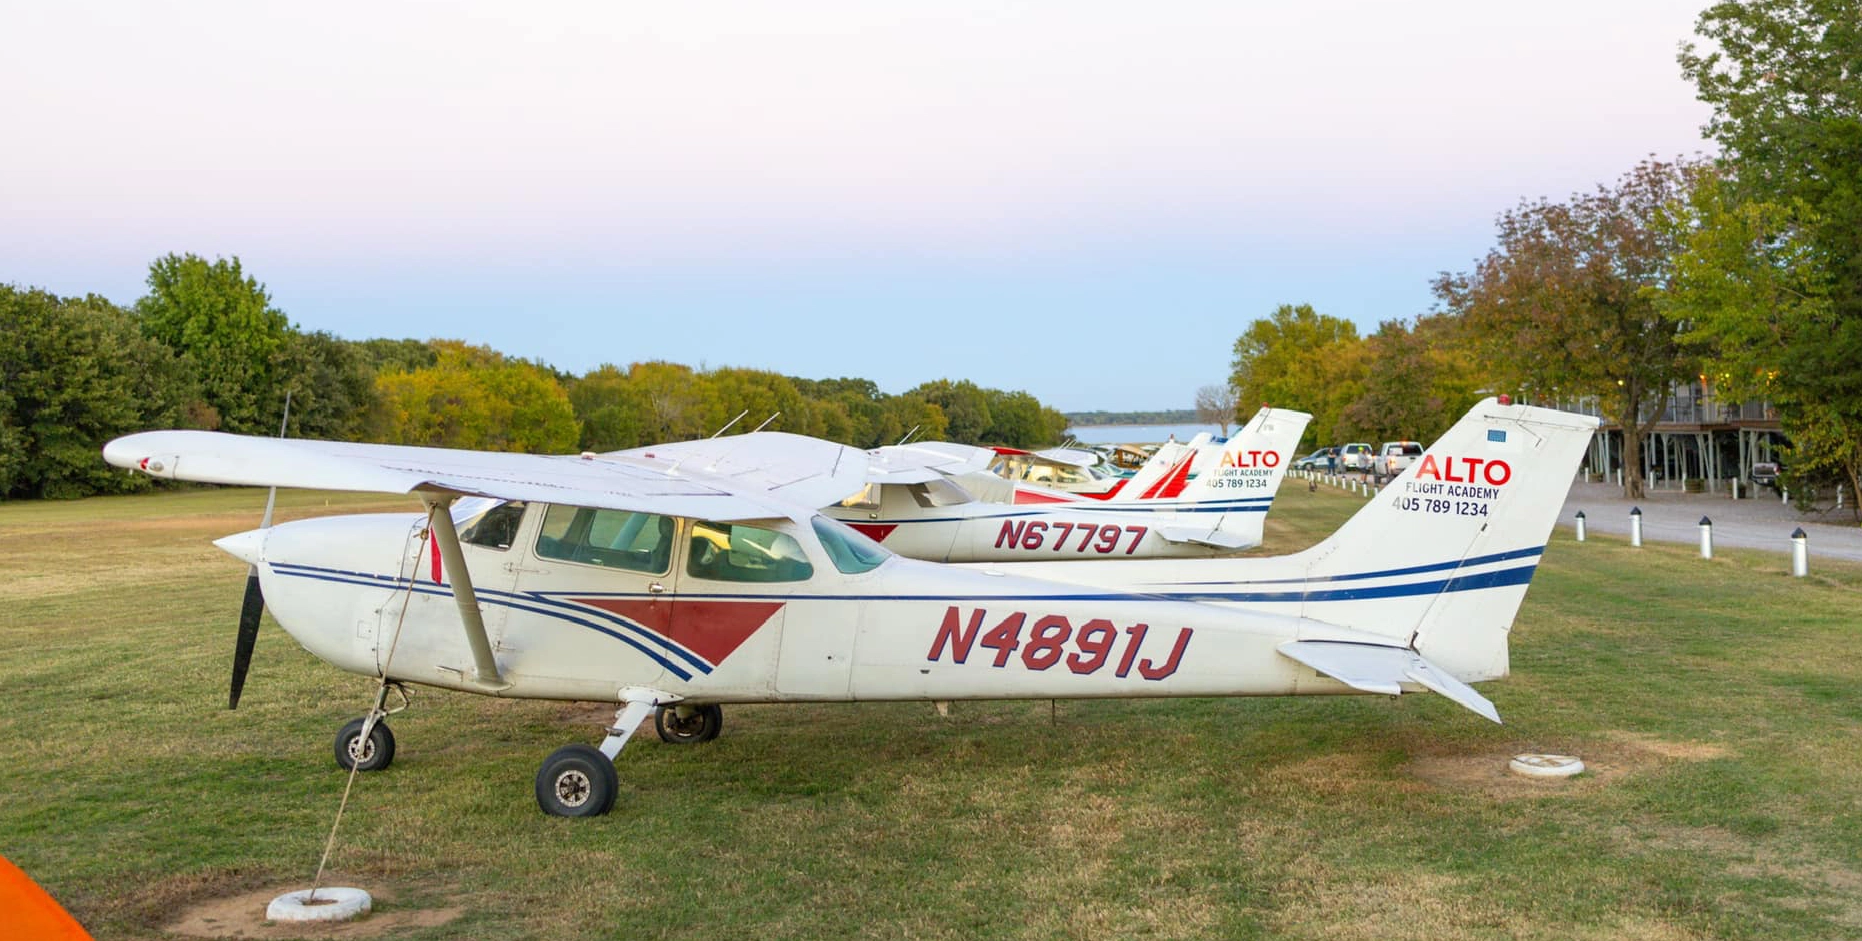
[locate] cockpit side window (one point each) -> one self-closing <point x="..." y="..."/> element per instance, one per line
<point x="496" y="528"/>
<point x="616" y="539"/>
<point x="734" y="552"/>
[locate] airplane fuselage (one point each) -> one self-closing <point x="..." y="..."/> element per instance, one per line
<point x="362" y="593"/>
<point x="911" y="522"/>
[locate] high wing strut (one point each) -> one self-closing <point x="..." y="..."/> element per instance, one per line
<point x="446" y="539"/>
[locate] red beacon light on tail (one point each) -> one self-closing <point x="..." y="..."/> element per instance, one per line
<point x="1506" y="399"/>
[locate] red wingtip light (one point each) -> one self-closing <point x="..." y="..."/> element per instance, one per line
<point x="1506" y="400"/>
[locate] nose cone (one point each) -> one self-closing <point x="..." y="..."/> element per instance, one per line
<point x="247" y="547"/>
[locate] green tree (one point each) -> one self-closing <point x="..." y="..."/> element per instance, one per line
<point x="1019" y="420"/>
<point x="1774" y="263"/>
<point x="331" y="384"/>
<point x="765" y="397"/>
<point x="381" y="355"/>
<point x="1566" y="306"/>
<point x="474" y="397"/>
<point x="917" y="418"/>
<point x="1418" y="381"/>
<point x="1749" y="286"/>
<point x="610" y="408"/>
<point x="224" y="322"/>
<point x="681" y="404"/>
<point x="1300" y="358"/>
<point x="858" y="407"/>
<point x="965" y="407"/>
<point x="74" y="374"/>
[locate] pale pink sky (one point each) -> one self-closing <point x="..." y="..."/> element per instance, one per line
<point x="1089" y="201"/>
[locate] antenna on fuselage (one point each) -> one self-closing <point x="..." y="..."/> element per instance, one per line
<point x="908" y="435"/>
<point x="728" y="424"/>
<point x="765" y="423"/>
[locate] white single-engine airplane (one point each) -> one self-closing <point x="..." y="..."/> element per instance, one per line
<point x="935" y="502"/>
<point x="673" y="588"/>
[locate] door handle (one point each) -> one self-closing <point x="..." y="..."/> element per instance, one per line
<point x="656" y="588"/>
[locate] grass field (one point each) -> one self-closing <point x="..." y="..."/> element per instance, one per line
<point x="1718" y="704"/>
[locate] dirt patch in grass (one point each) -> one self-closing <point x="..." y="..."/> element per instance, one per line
<point x="243" y="915"/>
<point x="1605" y="761"/>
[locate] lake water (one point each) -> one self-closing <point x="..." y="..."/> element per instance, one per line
<point x="1140" y="434"/>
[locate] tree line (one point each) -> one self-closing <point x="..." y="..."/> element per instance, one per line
<point x="206" y="348"/>
<point x="1741" y="275"/>
<point x="1177" y="416"/>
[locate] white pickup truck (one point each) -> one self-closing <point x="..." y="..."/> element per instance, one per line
<point x="1393" y="457"/>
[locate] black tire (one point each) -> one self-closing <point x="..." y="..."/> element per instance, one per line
<point x="373" y="755"/>
<point x="702" y="725"/>
<point x="577" y="781"/>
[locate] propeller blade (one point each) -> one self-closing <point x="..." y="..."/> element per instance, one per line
<point x="249" y="611"/>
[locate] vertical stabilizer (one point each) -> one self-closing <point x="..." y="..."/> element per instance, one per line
<point x="1439" y="560"/>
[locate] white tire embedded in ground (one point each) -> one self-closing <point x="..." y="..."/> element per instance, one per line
<point x="331" y="904"/>
<point x="1546" y="766"/>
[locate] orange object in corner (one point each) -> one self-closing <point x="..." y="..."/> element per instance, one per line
<point x="27" y="913"/>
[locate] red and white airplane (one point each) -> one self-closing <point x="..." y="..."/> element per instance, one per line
<point x="936" y="502"/>
<point x="1069" y="470"/>
<point x="673" y="586"/>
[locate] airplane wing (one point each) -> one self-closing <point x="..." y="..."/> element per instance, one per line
<point x="1204" y="536"/>
<point x="918" y="463"/>
<point x="796" y="469"/>
<point x="610" y="482"/>
<point x="1076" y="457"/>
<point x="1375" y="668"/>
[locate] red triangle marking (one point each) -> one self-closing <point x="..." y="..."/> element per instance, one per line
<point x="712" y="629"/>
<point x="875" y="531"/>
<point x="1031" y="496"/>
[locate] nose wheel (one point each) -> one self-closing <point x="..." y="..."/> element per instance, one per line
<point x="358" y="751"/>
<point x="367" y="744"/>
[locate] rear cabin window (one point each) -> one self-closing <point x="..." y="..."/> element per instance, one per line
<point x="866" y="499"/>
<point x="938" y="492"/>
<point x="734" y="552"/>
<point x="616" y="539"/>
<point x="495" y="528"/>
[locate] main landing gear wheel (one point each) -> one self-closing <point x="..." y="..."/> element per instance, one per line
<point x="371" y="754"/>
<point x="577" y="781"/>
<point x="688" y="725"/>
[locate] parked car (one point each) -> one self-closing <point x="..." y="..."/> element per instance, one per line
<point x="1765" y="474"/>
<point x="1356" y="456"/>
<point x="1317" y="460"/>
<point x="1393" y="457"/>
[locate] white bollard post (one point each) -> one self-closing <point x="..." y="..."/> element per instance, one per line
<point x="1635" y="527"/>
<point x="1800" y="553"/>
<point x="1580" y="526"/>
<point x="1706" y="538"/>
<point x="1735" y="488"/>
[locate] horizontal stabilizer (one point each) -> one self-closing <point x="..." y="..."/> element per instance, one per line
<point x="1204" y="536"/>
<point x="1377" y="669"/>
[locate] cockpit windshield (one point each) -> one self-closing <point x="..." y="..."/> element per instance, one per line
<point x="851" y="552"/>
